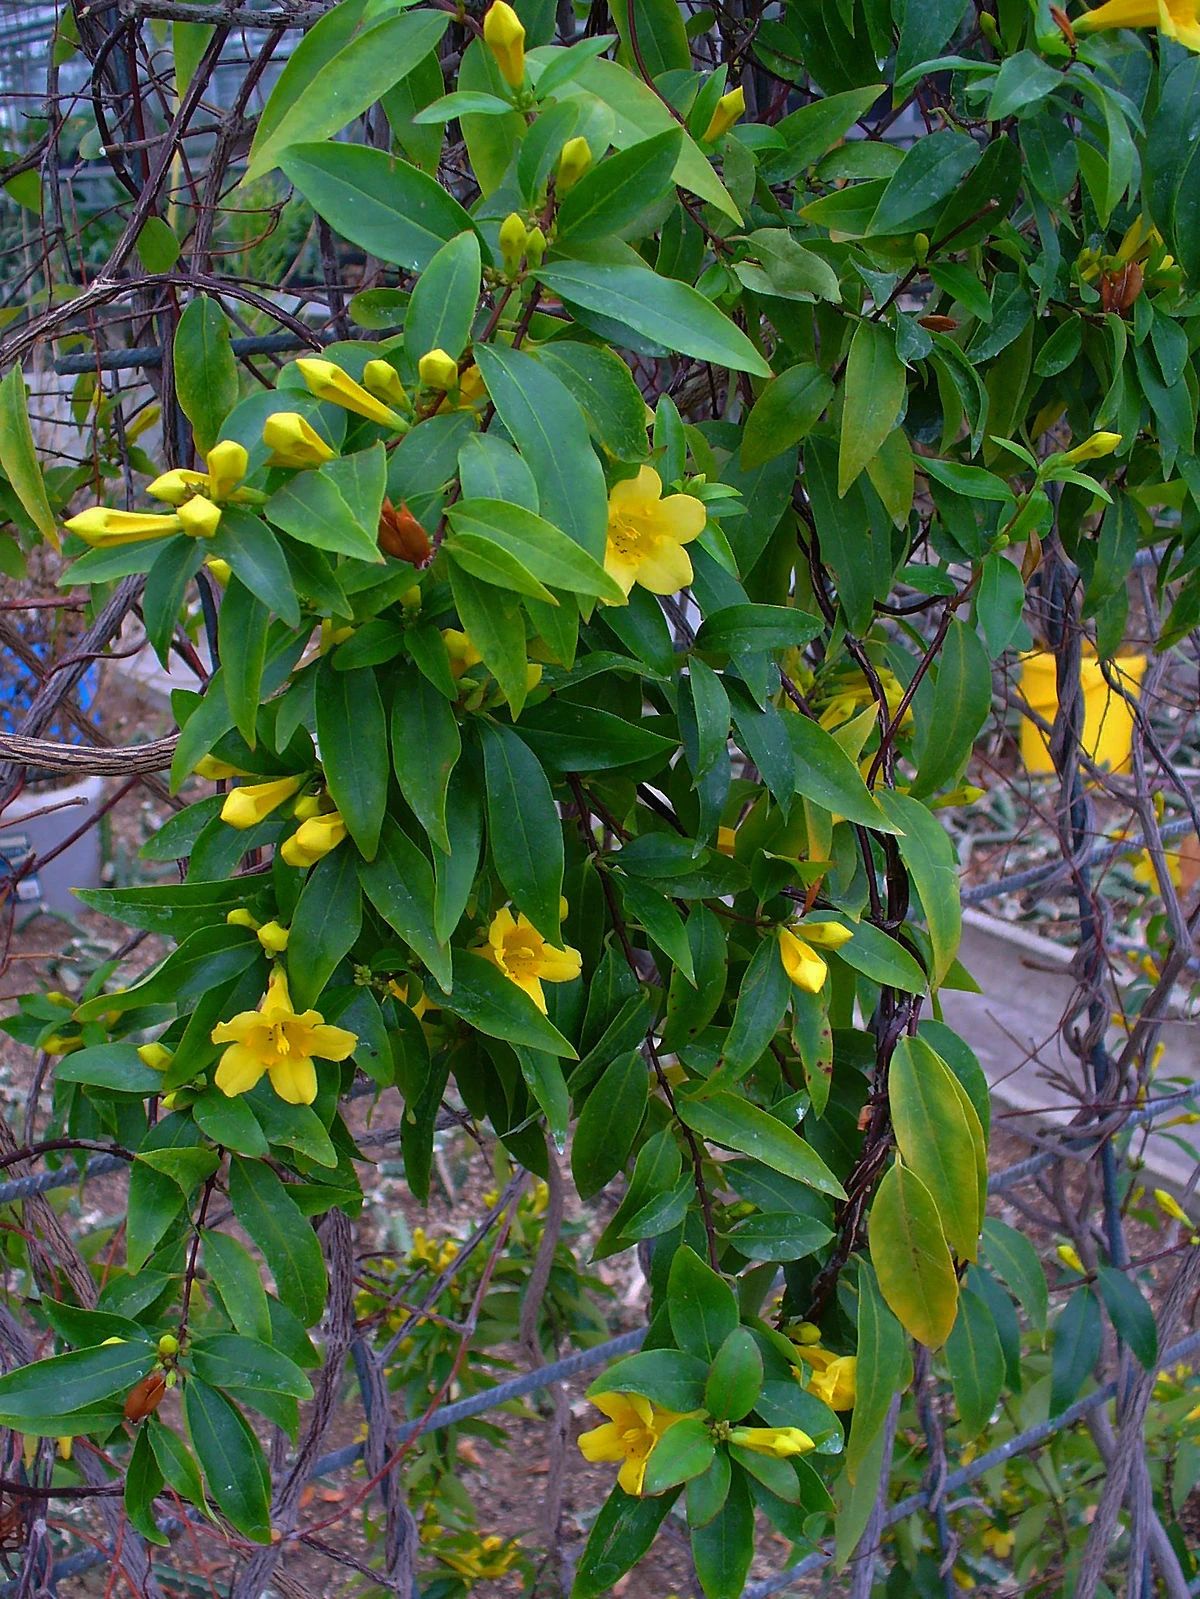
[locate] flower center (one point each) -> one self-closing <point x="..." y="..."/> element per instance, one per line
<point x="627" y="536"/>
<point x="280" y="1042"/>
<point x="634" y="1442"/>
<point x="522" y="957"/>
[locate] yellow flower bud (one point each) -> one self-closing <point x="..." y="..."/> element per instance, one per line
<point x="382" y="379"/>
<point x="101" y="526"/>
<point x="513" y="233"/>
<point x="273" y="937"/>
<point x="504" y="36"/>
<point x="437" y="369"/>
<point x="574" y="161"/>
<point x="168" y="1346"/>
<point x="61" y="1044"/>
<point x="241" y="917"/>
<point x="221" y="570"/>
<point x="779" y="1442"/>
<point x="293" y="441"/>
<point x="314" y="839"/>
<point x="307" y="805"/>
<point x="212" y="768"/>
<point x="156" y="1056"/>
<point x="1091" y="449"/>
<point x="227" y="463"/>
<point x="725" y="113"/>
<point x="199" y="516"/>
<point x="253" y="802"/>
<point x="807" y="1332"/>
<point x="329" y="382"/>
<point x="1170" y="1206"/>
<point x="175" y="486"/>
<point x="1070" y="1257"/>
<point x="66" y="1446"/>
<point x="535" y="246"/>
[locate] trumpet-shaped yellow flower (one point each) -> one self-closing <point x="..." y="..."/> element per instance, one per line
<point x="437" y="370"/>
<point x="834" y="1378"/>
<point x="293" y="441"/>
<point x="225" y="467"/>
<point x="998" y="1543"/>
<point x="253" y="802"/>
<point x="726" y="112"/>
<point x="504" y="35"/>
<point x="526" y="959"/>
<point x="629" y="1435"/>
<point x="778" y="1442"/>
<point x="1170" y="1206"/>
<point x="383" y="381"/>
<point x="1176" y="18"/>
<point x="329" y="382"/>
<point x="105" y="528"/>
<point x="221" y="570"/>
<point x="1093" y="448"/>
<point x="801" y="961"/>
<point x="574" y="161"/>
<point x="281" y="1042"/>
<point x="314" y="839"/>
<point x="646" y="534"/>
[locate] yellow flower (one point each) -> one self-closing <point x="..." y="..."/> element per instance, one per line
<point x="209" y="766"/>
<point x="574" y="161"/>
<point x="156" y="1056"/>
<point x="253" y="802"/>
<point x="400" y="990"/>
<point x="633" y="1429"/>
<point x="726" y="840"/>
<point x="1176" y="18"/>
<point x="1170" y="1206"/>
<point x="525" y="958"/>
<point x="329" y="382"/>
<point x="273" y="937"/>
<point x="504" y="36"/>
<point x="437" y="370"/>
<point x="241" y="917"/>
<point x="1193" y="1414"/>
<point x="800" y="961"/>
<point x="226" y="465"/>
<point x="1099" y="443"/>
<point x="199" y="517"/>
<point x="1070" y="1257"/>
<point x="834" y="1378"/>
<point x="293" y="441"/>
<point x="461" y="650"/>
<point x="99" y="526"/>
<point x="383" y="381"/>
<point x="998" y="1543"/>
<point x="779" y="1442"/>
<point x="276" y="1040"/>
<point x="725" y="113"/>
<point x="646" y="534"/>
<point x="314" y="839"/>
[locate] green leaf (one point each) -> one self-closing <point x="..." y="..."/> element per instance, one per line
<point x="253" y="551"/>
<point x="234" y="1274"/>
<point x="235" y="1468"/>
<point x="524" y="831"/>
<point x="568" y="737"/>
<point x="1015" y="1261"/>
<point x="668" y="1377"/>
<point x="911" y="1257"/>
<point x="738" y="628"/>
<point x="538" y="545"/>
<point x="143" y="1480"/>
<point x="175" y="1460"/>
<point x="1131" y="1316"/>
<point x="425" y="749"/>
<point x="154" y="1201"/>
<point x="949" y="721"/>
<point x="1077" y="1339"/>
<point x="882" y="1357"/>
<point x="927" y="852"/>
<point x="243" y="642"/>
<point x="206" y="378"/>
<point x="932" y="169"/>
<point x="18" y="456"/>
<point x="701" y="1305"/>
<point x="485" y="998"/>
<point x="976" y="1362"/>
<point x="605" y="390"/>
<point x="166" y="585"/>
<point x="735" y="1376"/>
<point x="608" y="1124"/>
<point x="157" y="247"/>
<point x="444" y="299"/>
<point x="229" y="1361"/>
<point x="778" y="1235"/>
<point x="730" y="1120"/>
<point x="330" y="79"/>
<point x="352" y="732"/>
<point x="399" y="883"/>
<point x="812" y="130"/>
<point x="724" y="1547"/>
<point x="497" y="629"/>
<point x="384" y="205"/>
<point x="337" y="507"/>
<point x="115" y="1067"/>
<point x="661" y="922"/>
<point x="169" y="908"/>
<point x="615" y="194"/>
<point x="761" y="1002"/>
<point x="324" y="925"/>
<point x="620" y="1536"/>
<point x="786" y="411"/>
<point x="827" y="776"/>
<point x="81" y="1380"/>
<point x="548" y="428"/>
<point x="684" y="1451"/>
<point x="662" y="309"/>
<point x="274" y="1222"/>
<point x="939" y="1138"/>
<point x="874" y="396"/>
<point x="206" y="958"/>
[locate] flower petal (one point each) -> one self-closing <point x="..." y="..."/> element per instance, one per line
<point x="602" y="1443"/>
<point x="632" y="1474"/>
<point x="332" y="1043"/>
<point x="681" y="517"/>
<point x="560" y="965"/>
<point x="802" y="963"/>
<point x="240" y="1068"/>
<point x="294" y="1079"/>
<point x="238" y="1029"/>
<point x="665" y="568"/>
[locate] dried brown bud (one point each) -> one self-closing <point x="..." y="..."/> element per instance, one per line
<point x="145" y="1397"/>
<point x="938" y="324"/>
<point x="1118" y="290"/>
<point x="401" y="535"/>
<point x="1063" y="23"/>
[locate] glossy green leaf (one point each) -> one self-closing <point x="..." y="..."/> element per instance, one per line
<point x="235" y="1469"/>
<point x="352" y="731"/>
<point x="274" y="1222"/>
<point x="728" y="1119"/>
<point x="524" y="832"/>
<point x="874" y="397"/>
<point x="206" y="377"/>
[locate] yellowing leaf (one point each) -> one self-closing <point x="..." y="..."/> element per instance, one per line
<point x="874" y="395"/>
<point x="937" y="1139"/>
<point x="911" y="1257"/>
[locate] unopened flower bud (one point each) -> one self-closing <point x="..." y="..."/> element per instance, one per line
<point x="535" y="247"/>
<point x="401" y="535"/>
<point x="574" y="161"/>
<point x="512" y="242"/>
<point x="199" y="516"/>
<point x="273" y="937"/>
<point x="1092" y="448"/>
<point x="504" y="35"/>
<point x="437" y="369"/>
<point x="293" y="441"/>
<point x="382" y="379"/>
<point x="725" y="113"/>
